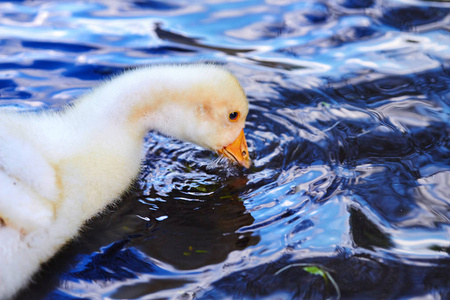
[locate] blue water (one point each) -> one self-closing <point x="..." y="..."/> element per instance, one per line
<point x="348" y="129"/>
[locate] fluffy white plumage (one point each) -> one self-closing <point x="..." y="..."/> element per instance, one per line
<point x="58" y="170"/>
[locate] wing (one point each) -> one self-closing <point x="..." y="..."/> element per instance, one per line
<point x="27" y="184"/>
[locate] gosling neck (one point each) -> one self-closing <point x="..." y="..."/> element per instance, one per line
<point x="138" y="100"/>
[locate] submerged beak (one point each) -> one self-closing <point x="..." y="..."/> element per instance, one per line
<point x="237" y="151"/>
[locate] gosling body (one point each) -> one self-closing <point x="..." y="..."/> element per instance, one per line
<point x="59" y="169"/>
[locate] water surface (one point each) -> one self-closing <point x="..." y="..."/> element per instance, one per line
<point x="348" y="129"/>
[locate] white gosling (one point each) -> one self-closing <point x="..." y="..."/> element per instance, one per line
<point x="59" y="169"/>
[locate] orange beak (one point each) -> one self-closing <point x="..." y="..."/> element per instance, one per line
<point x="237" y="151"/>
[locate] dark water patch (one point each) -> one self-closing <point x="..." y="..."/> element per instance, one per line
<point x="7" y="84"/>
<point x="8" y="90"/>
<point x="167" y="50"/>
<point x="367" y="278"/>
<point x="357" y="3"/>
<point x="278" y="64"/>
<point x="58" y="46"/>
<point x="36" y="64"/>
<point x="193" y="233"/>
<point x="365" y="233"/>
<point x="91" y="72"/>
<point x="397" y="203"/>
<point x="374" y="91"/>
<point x="5" y="95"/>
<point x="135" y="291"/>
<point x="318" y="13"/>
<point x="410" y="18"/>
<point x="156" y="5"/>
<point x="353" y="34"/>
<point x="107" y="265"/>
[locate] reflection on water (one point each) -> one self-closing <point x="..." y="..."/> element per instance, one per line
<point x="348" y="129"/>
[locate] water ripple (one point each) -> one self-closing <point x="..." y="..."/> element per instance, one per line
<point x="348" y="130"/>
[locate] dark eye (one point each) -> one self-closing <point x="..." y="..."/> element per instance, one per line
<point x="234" y="116"/>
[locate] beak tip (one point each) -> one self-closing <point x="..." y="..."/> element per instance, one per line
<point x="238" y="151"/>
<point x="247" y="163"/>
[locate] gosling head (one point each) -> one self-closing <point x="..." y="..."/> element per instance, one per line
<point x="220" y="110"/>
<point x="202" y="104"/>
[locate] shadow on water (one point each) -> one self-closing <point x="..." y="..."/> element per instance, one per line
<point x="167" y="242"/>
